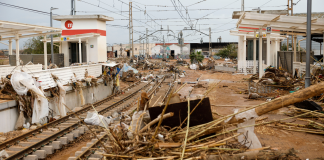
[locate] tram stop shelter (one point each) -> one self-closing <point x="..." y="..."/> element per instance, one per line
<point x="270" y="29"/>
<point x="10" y="31"/>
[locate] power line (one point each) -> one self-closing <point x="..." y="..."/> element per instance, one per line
<point x="26" y="9"/>
<point x="196" y="3"/>
<point x="266" y="3"/>
<point x="206" y="9"/>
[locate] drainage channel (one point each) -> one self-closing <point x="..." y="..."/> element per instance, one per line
<point x="43" y="141"/>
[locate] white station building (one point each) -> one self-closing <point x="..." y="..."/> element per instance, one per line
<point x="83" y="38"/>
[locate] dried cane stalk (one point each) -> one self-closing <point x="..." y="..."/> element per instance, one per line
<point x="166" y="106"/>
<point x="185" y="142"/>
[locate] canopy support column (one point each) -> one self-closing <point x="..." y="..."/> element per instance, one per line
<point x="87" y="50"/>
<point x="80" y="50"/>
<point x="275" y="54"/>
<point x="10" y="47"/>
<point x="260" y="54"/>
<point x="244" y="55"/>
<point x="268" y="50"/>
<point x="254" y="53"/>
<point x="45" y="52"/>
<point x="295" y="49"/>
<point x="17" y="50"/>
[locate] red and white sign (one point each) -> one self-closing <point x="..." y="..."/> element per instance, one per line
<point x="68" y="24"/>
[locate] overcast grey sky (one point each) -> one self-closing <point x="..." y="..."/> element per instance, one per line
<point x="219" y="20"/>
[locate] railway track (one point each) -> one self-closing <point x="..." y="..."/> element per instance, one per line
<point x="90" y="151"/>
<point x="38" y="143"/>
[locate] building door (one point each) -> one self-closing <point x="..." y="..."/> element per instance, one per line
<point x="75" y="53"/>
<point x="172" y="53"/>
<point x="128" y="53"/>
<point x="116" y="54"/>
<point x="249" y="50"/>
<point x="74" y="56"/>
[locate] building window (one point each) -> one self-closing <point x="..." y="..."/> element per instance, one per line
<point x="135" y="49"/>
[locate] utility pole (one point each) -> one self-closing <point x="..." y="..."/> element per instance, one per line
<point x="131" y="42"/>
<point x="181" y="44"/>
<point x="52" y="51"/>
<point x="308" y="42"/>
<point x="242" y="5"/>
<point x="143" y="47"/>
<point x="72" y="6"/>
<point x="121" y="50"/>
<point x="147" y="43"/>
<point x="163" y="46"/>
<point x="209" y="41"/>
<point x="291" y="7"/>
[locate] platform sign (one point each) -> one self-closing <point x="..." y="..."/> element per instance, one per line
<point x="65" y="38"/>
<point x="269" y="29"/>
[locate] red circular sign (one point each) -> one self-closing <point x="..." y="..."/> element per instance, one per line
<point x="68" y="24"/>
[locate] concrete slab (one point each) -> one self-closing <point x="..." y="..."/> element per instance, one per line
<point x="81" y="129"/>
<point x="31" y="157"/>
<point x="42" y="136"/>
<point x="84" y="148"/>
<point x="34" y="139"/>
<point x="85" y="128"/>
<point x="56" y="144"/>
<point x="48" y="132"/>
<point x="94" y="140"/>
<point x="10" y="153"/>
<point x="26" y="144"/>
<point x="48" y="149"/>
<point x="77" y="153"/>
<point x="70" y="136"/>
<point x="76" y="133"/>
<point x="63" y="140"/>
<point x="97" y="154"/>
<point x="41" y="154"/>
<point x="89" y="144"/>
<point x="16" y="148"/>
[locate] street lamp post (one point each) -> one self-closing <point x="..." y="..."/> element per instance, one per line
<point x="52" y="51"/>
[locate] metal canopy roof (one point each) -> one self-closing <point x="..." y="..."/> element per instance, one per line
<point x="14" y="30"/>
<point x="78" y="17"/>
<point x="279" y="23"/>
<point x="74" y="37"/>
<point x="251" y="34"/>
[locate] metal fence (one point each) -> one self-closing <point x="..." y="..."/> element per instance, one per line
<point x="37" y="59"/>
<point x="259" y="88"/>
<point x="226" y="69"/>
<point x="285" y="59"/>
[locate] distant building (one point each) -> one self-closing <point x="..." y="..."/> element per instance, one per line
<point x="215" y="47"/>
<point x="139" y="49"/>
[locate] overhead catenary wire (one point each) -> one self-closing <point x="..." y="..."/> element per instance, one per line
<point x="26" y="9"/>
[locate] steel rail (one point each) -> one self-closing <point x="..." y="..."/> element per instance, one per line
<point x="34" y="147"/>
<point x="15" y="140"/>
<point x="88" y="151"/>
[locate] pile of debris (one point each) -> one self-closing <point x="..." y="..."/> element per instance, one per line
<point x="276" y="77"/>
<point x="210" y="63"/>
<point x="156" y="132"/>
<point x="182" y="62"/>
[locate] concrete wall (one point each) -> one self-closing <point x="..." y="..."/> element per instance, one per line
<point x="91" y="94"/>
<point x="8" y="115"/>
<point x="9" y="112"/>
